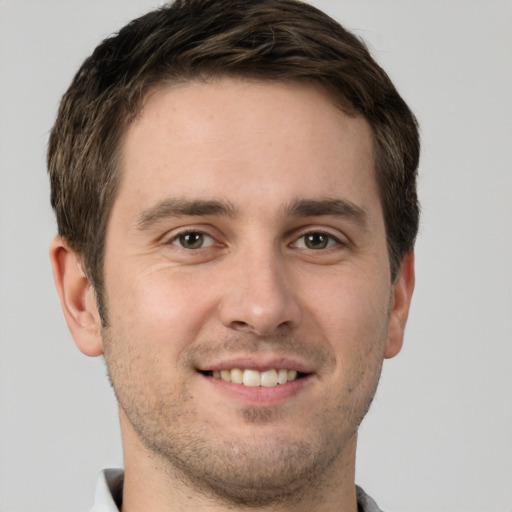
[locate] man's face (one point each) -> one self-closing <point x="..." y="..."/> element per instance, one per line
<point x="247" y="242"/>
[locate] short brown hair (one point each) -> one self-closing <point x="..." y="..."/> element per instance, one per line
<point x="202" y="39"/>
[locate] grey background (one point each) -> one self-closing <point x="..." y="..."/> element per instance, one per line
<point x="439" y="435"/>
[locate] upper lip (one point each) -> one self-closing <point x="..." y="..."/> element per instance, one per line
<point x="258" y="362"/>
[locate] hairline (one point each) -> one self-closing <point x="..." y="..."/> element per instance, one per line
<point x="167" y="83"/>
<point x="115" y="161"/>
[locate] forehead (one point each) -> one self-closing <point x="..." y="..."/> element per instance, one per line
<point x="245" y="138"/>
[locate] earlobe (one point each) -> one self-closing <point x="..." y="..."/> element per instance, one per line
<point x="400" y="302"/>
<point x="76" y="297"/>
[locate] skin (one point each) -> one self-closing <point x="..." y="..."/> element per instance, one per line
<point x="252" y="291"/>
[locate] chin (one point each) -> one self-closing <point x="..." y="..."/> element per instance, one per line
<point x="268" y="464"/>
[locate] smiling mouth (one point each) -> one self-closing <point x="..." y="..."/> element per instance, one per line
<point x="255" y="378"/>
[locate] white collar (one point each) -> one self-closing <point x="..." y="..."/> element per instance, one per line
<point x="109" y="490"/>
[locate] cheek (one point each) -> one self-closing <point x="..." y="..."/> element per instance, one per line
<point x="152" y="321"/>
<point x="160" y="305"/>
<point x="349" y="309"/>
<point x="353" y="318"/>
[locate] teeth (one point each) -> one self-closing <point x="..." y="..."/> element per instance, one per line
<point x="237" y="376"/>
<point x="254" y="378"/>
<point x="269" y="378"/>
<point x="282" y="376"/>
<point x="225" y="375"/>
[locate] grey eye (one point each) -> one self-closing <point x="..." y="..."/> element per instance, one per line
<point x="316" y="241"/>
<point x="193" y="240"/>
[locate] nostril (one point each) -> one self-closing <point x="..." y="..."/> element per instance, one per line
<point x="258" y="313"/>
<point x="238" y="325"/>
<point x="261" y="328"/>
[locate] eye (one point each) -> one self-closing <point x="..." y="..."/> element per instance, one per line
<point x="193" y="240"/>
<point x="316" y="241"/>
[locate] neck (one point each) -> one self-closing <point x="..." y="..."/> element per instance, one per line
<point x="153" y="484"/>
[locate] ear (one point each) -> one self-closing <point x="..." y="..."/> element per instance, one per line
<point x="400" y="302"/>
<point x="77" y="298"/>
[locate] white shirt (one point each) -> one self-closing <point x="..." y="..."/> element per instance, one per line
<point x="109" y="491"/>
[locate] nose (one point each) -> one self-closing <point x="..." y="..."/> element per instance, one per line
<point x="259" y="297"/>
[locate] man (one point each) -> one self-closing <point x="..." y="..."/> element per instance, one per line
<point x="234" y="185"/>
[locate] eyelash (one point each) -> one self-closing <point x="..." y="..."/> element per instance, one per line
<point x="331" y="241"/>
<point x="180" y="236"/>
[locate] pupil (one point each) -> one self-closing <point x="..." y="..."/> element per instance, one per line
<point x="191" y="240"/>
<point x="316" y="241"/>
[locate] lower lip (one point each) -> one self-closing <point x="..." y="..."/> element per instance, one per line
<point x="260" y="395"/>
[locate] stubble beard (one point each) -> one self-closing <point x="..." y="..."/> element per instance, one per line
<point x="243" y="475"/>
<point x="265" y="470"/>
<point x="236" y="472"/>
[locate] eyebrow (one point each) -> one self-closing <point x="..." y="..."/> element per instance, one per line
<point x="328" y="207"/>
<point x="175" y="207"/>
<point x="183" y="208"/>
